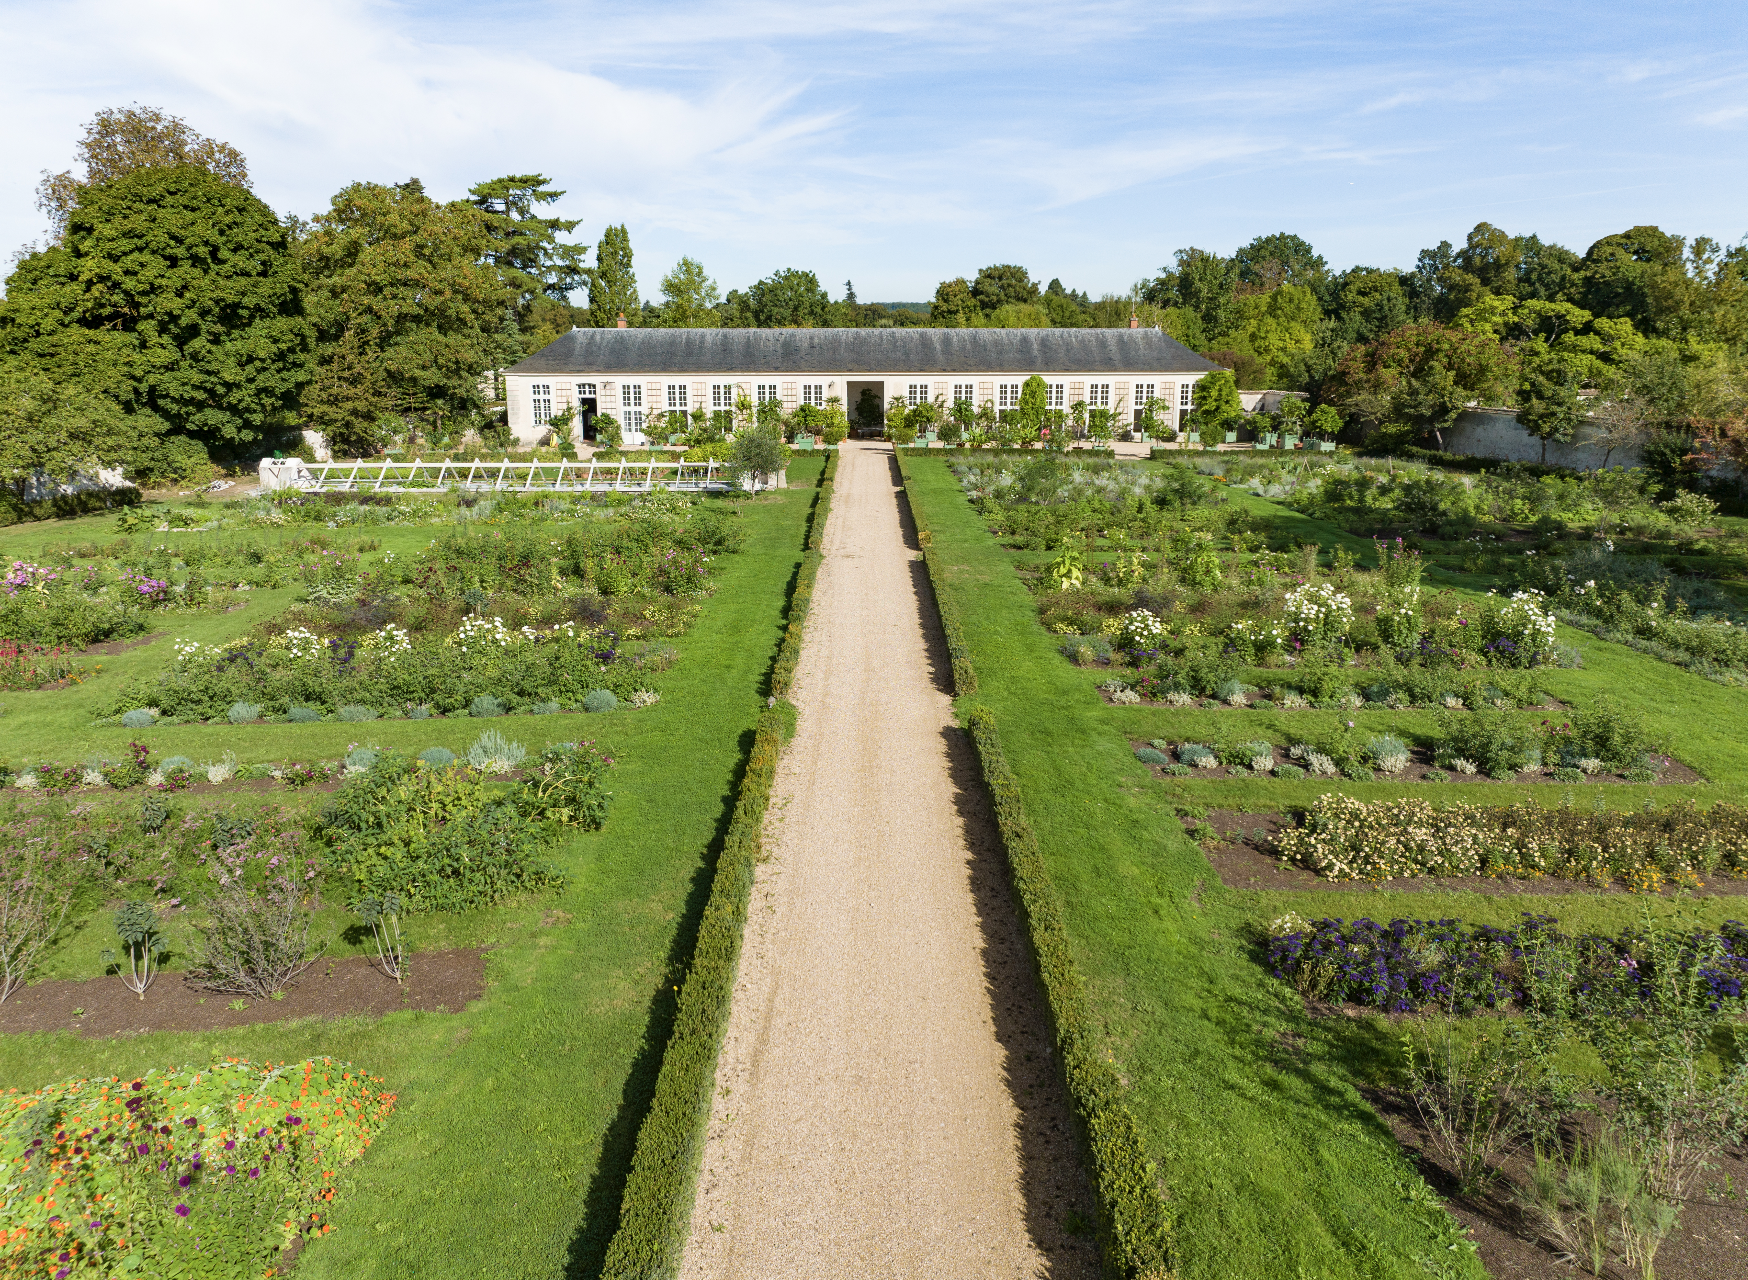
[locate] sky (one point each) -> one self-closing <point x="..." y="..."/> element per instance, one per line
<point x="900" y="144"/>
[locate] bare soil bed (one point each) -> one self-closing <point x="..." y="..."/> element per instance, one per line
<point x="1420" y="763"/>
<point x="1710" y="1243"/>
<point x="437" y="982"/>
<point x="1244" y="858"/>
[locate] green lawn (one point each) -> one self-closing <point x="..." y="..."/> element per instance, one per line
<point x="1274" y="1163"/>
<point x="516" y="1120"/>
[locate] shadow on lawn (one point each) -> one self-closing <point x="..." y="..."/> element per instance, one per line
<point x="588" y="1248"/>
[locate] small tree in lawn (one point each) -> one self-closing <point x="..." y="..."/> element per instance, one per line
<point x="758" y="454"/>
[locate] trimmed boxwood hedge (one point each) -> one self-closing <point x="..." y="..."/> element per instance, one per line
<point x="1134" y="1222"/>
<point x="656" y="1209"/>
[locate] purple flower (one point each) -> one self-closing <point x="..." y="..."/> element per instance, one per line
<point x="293" y="1120"/>
<point x="230" y="1168"/>
<point x="184" y="1180"/>
<point x="181" y="1211"/>
<point x="254" y="1173"/>
<point x="144" y="1148"/>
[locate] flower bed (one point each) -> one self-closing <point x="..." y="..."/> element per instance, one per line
<point x="30" y="666"/>
<point x="180" y="1172"/>
<point x="1409" y="965"/>
<point x="1348" y="839"/>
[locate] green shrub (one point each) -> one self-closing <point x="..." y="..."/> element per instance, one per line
<point x="1639" y="775"/>
<point x="1498" y="741"/>
<point x="1289" y="771"/>
<point x="437" y="757"/>
<point x="189" y="1178"/>
<point x="1607" y="730"/>
<point x="139" y="718"/>
<point x="243" y="712"/>
<point x="433" y="835"/>
<point x="1148" y="755"/>
<point x="1564" y="774"/>
<point x="303" y="715"/>
<point x="486" y="705"/>
<point x="419" y="713"/>
<point x="361" y="758"/>
<point x="600" y="700"/>
<point x="544" y="709"/>
<point x="354" y="714"/>
<point x="1197" y="756"/>
<point x="565" y="785"/>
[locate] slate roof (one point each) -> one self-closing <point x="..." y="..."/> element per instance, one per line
<point x="853" y="351"/>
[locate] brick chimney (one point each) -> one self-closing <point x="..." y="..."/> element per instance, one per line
<point x="1134" y="321"/>
<point x="621" y="319"/>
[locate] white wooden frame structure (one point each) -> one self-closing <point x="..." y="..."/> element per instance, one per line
<point x="569" y="475"/>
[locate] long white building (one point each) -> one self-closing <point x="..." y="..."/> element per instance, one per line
<point x="632" y="373"/>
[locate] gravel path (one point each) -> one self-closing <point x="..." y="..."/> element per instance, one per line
<point x="886" y="1103"/>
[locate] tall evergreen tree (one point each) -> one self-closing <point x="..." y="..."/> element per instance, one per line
<point x="612" y="282"/>
<point x="525" y="247"/>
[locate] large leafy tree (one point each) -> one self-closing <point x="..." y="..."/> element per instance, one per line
<point x="690" y="297"/>
<point x="122" y="140"/>
<point x="789" y="299"/>
<point x="1203" y="283"/>
<point x="613" y="284"/>
<point x="525" y="247"/>
<point x="55" y="429"/>
<point x="173" y="292"/>
<point x="1270" y="261"/>
<point x="1003" y="284"/>
<point x="954" y="307"/>
<point x="407" y="306"/>
<point x="1421" y="375"/>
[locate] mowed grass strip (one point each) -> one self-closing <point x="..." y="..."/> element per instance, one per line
<point x="508" y="1152"/>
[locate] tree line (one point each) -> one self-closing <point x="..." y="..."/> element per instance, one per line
<point x="173" y="316"/>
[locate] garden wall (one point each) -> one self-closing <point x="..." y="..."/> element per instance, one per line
<point x="1495" y="433"/>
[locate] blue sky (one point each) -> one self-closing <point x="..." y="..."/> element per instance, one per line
<point x="903" y="143"/>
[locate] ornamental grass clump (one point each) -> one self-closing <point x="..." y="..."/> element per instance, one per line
<point x="1348" y="839"/>
<point x="1389" y="754"/>
<point x="492" y="752"/>
<point x="1151" y="756"/>
<point x="210" y="1173"/>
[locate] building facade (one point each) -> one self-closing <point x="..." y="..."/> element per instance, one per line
<point x="634" y="373"/>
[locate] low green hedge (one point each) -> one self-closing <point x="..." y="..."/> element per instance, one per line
<point x="952" y="629"/>
<point x="1134" y="1223"/>
<point x="655" y="1212"/>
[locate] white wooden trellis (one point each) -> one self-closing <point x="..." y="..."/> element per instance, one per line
<point x="564" y="476"/>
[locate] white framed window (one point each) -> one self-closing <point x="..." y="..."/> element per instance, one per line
<point x="1145" y="391"/>
<point x="1098" y="395"/>
<point x="540" y="393"/>
<point x="585" y="391"/>
<point x="964" y="391"/>
<point x="1184" y="399"/>
<point x="917" y="393"/>
<point x="1055" y="395"/>
<point x="1007" y="395"/>
<point x="813" y="393"/>
<point x="764" y="391"/>
<point x="722" y="395"/>
<point x="631" y="406"/>
<point x="677" y="396"/>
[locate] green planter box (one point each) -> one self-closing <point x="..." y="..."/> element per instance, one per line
<point x="804" y="442"/>
<point x="1290" y="442"/>
<point x="1326" y="446"/>
<point x="1192" y="437"/>
<point x="1231" y="437"/>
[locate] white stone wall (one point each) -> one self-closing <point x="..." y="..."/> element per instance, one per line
<point x="1495" y="433"/>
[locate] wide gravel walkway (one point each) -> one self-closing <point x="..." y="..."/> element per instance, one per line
<point x="886" y="1101"/>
